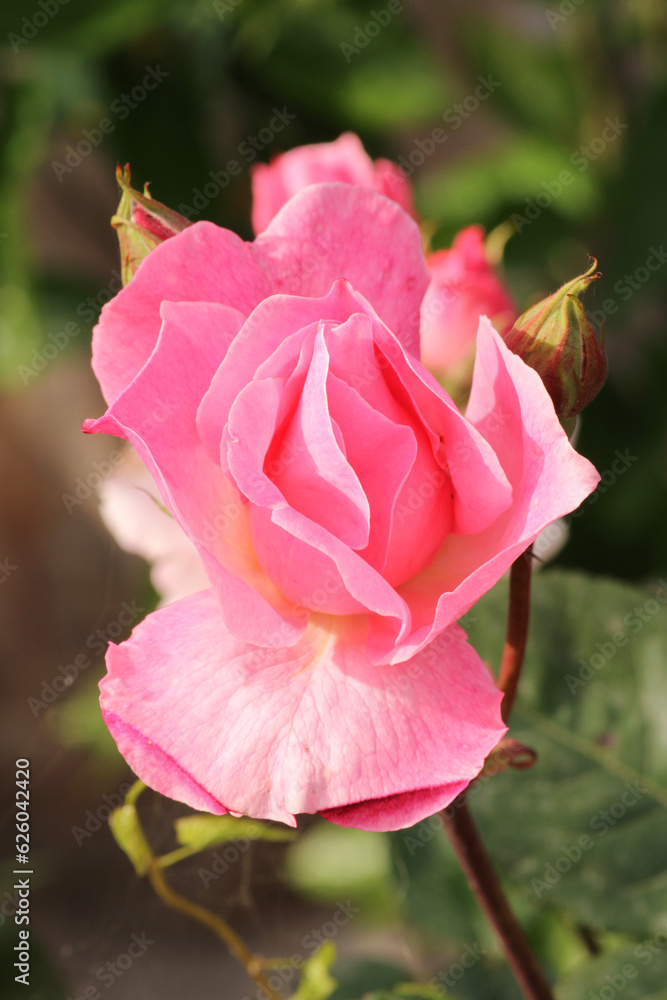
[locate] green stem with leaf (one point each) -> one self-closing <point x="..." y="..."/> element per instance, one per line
<point x="129" y="833"/>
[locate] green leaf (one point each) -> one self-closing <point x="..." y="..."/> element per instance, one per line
<point x="316" y="983"/>
<point x="200" y="831"/>
<point x="129" y="836"/>
<point x="583" y="830"/>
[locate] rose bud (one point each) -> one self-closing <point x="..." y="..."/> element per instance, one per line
<point x="556" y="338"/>
<point x="141" y="224"/>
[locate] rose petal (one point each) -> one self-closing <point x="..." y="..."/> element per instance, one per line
<point x="269" y="329"/>
<point x="309" y="728"/>
<point x="352" y="233"/>
<point x="391" y="181"/>
<point x="204" y="263"/>
<point x="480" y="488"/>
<point x="313" y="474"/>
<point x="511" y="408"/>
<point x="396" y="812"/>
<point x="309" y="564"/>
<point x="370" y="438"/>
<point x="157" y="414"/>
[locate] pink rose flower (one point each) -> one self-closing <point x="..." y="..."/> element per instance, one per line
<point x="464" y="286"/>
<point x="344" y="160"/>
<point x="345" y="512"/>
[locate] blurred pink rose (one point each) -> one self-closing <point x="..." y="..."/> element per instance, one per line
<point x="464" y="286"/>
<point x="345" y="512"/>
<point x="344" y="160"/>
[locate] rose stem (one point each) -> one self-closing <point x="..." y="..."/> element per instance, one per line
<point x="487" y="887"/>
<point x="249" y="961"/>
<point x="458" y="821"/>
<point x="517" y="630"/>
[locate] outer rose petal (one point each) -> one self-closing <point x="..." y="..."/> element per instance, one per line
<point x="273" y="733"/>
<point x="157" y="414"/>
<point x="204" y="263"/>
<point x="344" y="160"/>
<point x="511" y="408"/>
<point x="383" y="260"/>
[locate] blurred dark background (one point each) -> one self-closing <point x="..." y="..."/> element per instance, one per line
<point x="577" y="86"/>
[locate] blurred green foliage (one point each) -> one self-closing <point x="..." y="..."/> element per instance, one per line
<point x="560" y="72"/>
<point x="559" y="78"/>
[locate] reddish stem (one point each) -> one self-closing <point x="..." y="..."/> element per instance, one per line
<point x="459" y="823"/>
<point x="487" y="887"/>
<point x="517" y="630"/>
